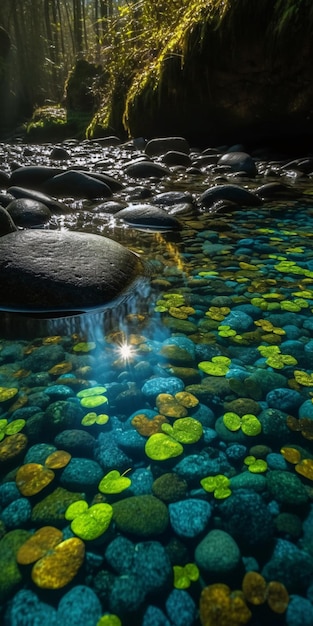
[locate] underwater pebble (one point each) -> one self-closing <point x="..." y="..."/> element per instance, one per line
<point x="218" y="553"/>
<point x="153" y="616"/>
<point x="181" y="608"/>
<point x="82" y="474"/>
<point x="126" y="595"/>
<point x="299" y="612"/>
<point x="290" y="565"/>
<point x="119" y="554"/>
<point x="80" y="605"/>
<point x="8" y="493"/>
<point x="189" y="517"/>
<point x="246" y="518"/>
<point x="284" y="399"/>
<point x="157" y="385"/>
<point x="26" y="609"/>
<point x="286" y="488"/>
<point x="17" y="513"/>
<point x="195" y="466"/>
<point x="142" y="480"/>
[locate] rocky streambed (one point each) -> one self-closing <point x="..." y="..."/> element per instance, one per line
<point x="156" y="381"/>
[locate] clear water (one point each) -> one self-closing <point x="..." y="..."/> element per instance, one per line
<point x="256" y="262"/>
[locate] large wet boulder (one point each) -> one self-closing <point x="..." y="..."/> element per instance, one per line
<point x="53" y="270"/>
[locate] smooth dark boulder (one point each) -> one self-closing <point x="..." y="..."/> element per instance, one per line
<point x="146" y="169"/>
<point x="77" y="185"/>
<point x="61" y="270"/>
<point x="28" y="213"/>
<point x="161" y="145"/>
<point x="32" y="176"/>
<point x="115" y="185"/>
<point x="233" y="193"/>
<point x="54" y="205"/>
<point x="148" y="216"/>
<point x="239" y="162"/>
<point x="174" y="157"/>
<point x="169" y="198"/>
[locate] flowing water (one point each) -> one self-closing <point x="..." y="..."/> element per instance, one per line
<point x="184" y="416"/>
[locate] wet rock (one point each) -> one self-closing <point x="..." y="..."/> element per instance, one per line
<point x="59" y="154"/>
<point x="10" y="574"/>
<point x="93" y="270"/>
<point x="218" y="554"/>
<point x="80" y="605"/>
<point x="148" y="216"/>
<point x="189" y="517"/>
<point x="233" y="193"/>
<point x="181" y="608"/>
<point x="28" y="213"/>
<point x="239" y="162"/>
<point x="76" y="442"/>
<point x="170" y="198"/>
<point x="77" y="185"/>
<point x="81" y="474"/>
<point x="246" y="517"/>
<point x="141" y="516"/>
<point x="161" y="145"/>
<point x="32" y="176"/>
<point x="174" y="157"/>
<point x="146" y="169"/>
<point x="290" y="565"/>
<point x="287" y="488"/>
<point x="26" y="607"/>
<point x="50" y="510"/>
<point x="53" y="205"/>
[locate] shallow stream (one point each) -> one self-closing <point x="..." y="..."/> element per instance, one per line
<point x="156" y="457"/>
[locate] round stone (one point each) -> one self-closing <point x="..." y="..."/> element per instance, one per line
<point x="55" y="270"/>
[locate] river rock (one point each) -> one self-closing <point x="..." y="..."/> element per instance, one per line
<point x="239" y="162"/>
<point x="161" y="145"/>
<point x="234" y="193"/>
<point x="77" y="185"/>
<point x="51" y="203"/>
<point x="32" y="176"/>
<point x="146" y="169"/>
<point x="218" y="553"/>
<point x="27" y="213"/>
<point x="63" y="270"/>
<point x="148" y="216"/>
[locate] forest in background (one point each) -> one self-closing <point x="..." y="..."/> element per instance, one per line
<point x="159" y="66"/>
<point x="49" y="36"/>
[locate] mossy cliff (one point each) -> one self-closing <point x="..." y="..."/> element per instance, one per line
<point x="233" y="70"/>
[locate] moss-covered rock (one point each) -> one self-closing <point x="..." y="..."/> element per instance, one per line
<point x="10" y="575"/>
<point x="141" y="516"/>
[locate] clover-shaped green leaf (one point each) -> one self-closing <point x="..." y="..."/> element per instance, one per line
<point x="255" y="466"/>
<point x="92" y="418"/>
<point x="232" y="421"/>
<point x="10" y="428"/>
<point x="91" y="522"/>
<point x="161" y="447"/>
<point x="218" y="366"/>
<point x="185" y="430"/>
<point x="303" y="378"/>
<point x="184" y="575"/>
<point x="250" y="425"/>
<point x="114" y="482"/>
<point x="218" y="485"/>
